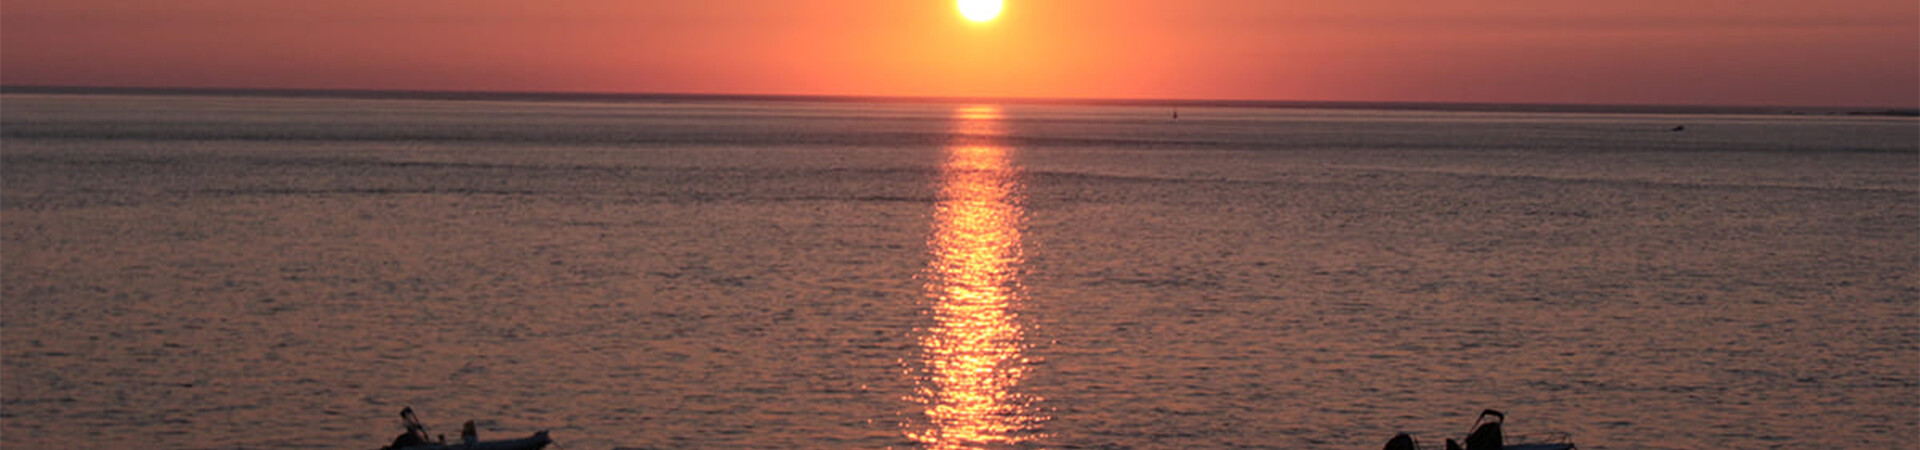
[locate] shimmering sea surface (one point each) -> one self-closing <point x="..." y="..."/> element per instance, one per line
<point x="262" y="272"/>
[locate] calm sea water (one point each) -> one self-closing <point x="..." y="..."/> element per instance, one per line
<point x="257" y="272"/>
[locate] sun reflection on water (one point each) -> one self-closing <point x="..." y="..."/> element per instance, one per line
<point x="972" y="354"/>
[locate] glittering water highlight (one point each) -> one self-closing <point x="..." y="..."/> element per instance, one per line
<point x="973" y="357"/>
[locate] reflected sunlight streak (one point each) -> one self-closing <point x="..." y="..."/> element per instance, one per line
<point x="973" y="353"/>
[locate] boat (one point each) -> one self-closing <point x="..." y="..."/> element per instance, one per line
<point x="537" y="441"/>
<point x="1487" y="435"/>
<point x="415" y="438"/>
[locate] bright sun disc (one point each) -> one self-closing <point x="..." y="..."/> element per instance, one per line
<point x="979" y="10"/>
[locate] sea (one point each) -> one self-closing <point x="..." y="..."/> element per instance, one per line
<point x="251" y="270"/>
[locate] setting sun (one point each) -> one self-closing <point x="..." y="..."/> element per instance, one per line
<point x="979" y="10"/>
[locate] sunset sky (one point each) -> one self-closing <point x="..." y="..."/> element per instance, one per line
<point x="1736" y="52"/>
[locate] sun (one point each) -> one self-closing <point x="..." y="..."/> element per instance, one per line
<point x="979" y="10"/>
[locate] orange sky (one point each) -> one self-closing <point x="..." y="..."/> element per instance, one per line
<point x="1751" y="52"/>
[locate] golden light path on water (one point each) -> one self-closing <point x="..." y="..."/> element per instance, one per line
<point x="972" y="355"/>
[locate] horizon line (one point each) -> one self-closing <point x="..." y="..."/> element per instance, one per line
<point x="1444" y="106"/>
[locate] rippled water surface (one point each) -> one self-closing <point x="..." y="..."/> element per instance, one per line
<point x="219" y="272"/>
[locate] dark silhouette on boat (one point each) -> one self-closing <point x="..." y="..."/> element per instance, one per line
<point x="1485" y="435"/>
<point x="415" y="438"/>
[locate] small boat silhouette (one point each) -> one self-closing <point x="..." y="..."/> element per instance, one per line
<point x="1486" y="435"/>
<point x="416" y="438"/>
